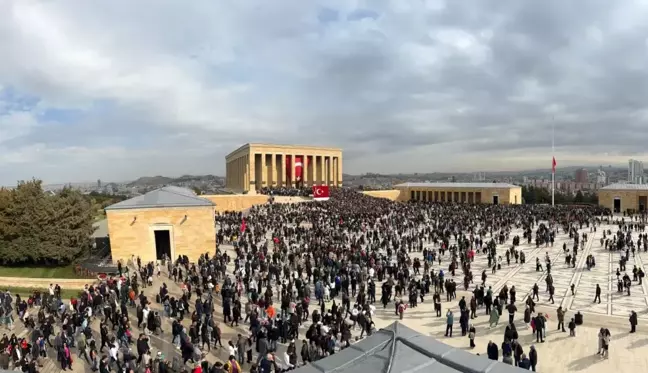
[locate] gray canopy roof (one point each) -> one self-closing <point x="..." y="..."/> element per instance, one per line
<point x="168" y="196"/>
<point x="399" y="349"/>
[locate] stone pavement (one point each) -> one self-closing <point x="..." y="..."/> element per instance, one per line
<point x="523" y="277"/>
<point x="560" y="353"/>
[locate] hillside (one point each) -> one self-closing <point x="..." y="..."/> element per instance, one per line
<point x="151" y="181"/>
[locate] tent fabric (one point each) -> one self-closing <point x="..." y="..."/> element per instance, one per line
<point x="399" y="349"/>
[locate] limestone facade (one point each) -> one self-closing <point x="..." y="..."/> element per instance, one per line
<point x="192" y="231"/>
<point x="391" y="194"/>
<point x="634" y="199"/>
<point x="236" y="202"/>
<point x="505" y="194"/>
<point x="254" y="166"/>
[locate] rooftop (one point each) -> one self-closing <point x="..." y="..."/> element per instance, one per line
<point x="168" y="196"/>
<point x="457" y="185"/>
<point x="626" y="187"/>
<point x="285" y="146"/>
<point x="398" y="348"/>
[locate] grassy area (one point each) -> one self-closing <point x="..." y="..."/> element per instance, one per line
<point x="26" y="292"/>
<point x="39" y="272"/>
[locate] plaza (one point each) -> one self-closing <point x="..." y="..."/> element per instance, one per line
<point x="560" y="353"/>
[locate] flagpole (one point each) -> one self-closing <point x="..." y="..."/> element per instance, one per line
<point x="553" y="171"/>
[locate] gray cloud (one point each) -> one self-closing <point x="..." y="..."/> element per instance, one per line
<point x="176" y="87"/>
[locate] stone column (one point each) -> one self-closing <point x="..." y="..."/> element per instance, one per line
<point x="247" y="172"/>
<point x="273" y="170"/>
<point x="239" y="162"/>
<point x="233" y="173"/>
<point x="293" y="181"/>
<point x="264" y="171"/>
<point x="252" y="176"/>
<point x="305" y="181"/>
<point x="325" y="170"/>
<point x="282" y="160"/>
<point x="242" y="172"/>
<point x="335" y="171"/>
<point x="235" y="182"/>
<point x="330" y="171"/>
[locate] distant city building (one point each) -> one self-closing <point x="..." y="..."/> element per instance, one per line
<point x="635" y="171"/>
<point x="581" y="176"/>
<point x="480" y="176"/>
<point x="99" y="184"/>
<point x="601" y="176"/>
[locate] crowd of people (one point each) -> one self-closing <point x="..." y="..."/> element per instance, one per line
<point x="286" y="191"/>
<point x="353" y="246"/>
<point x="301" y="282"/>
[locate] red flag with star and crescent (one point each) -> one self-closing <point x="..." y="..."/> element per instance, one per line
<point x="553" y="165"/>
<point x="321" y="192"/>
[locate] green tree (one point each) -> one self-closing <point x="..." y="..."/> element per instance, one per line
<point x="534" y="195"/>
<point x="579" y="197"/>
<point x="38" y="228"/>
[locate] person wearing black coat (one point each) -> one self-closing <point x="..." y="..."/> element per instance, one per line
<point x="492" y="351"/>
<point x="142" y="347"/>
<point x="533" y="358"/>
<point x="633" y="322"/>
<point x="539" y="325"/>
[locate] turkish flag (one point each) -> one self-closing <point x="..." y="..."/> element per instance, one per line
<point x="243" y="226"/>
<point x="553" y="165"/>
<point x="299" y="166"/>
<point x="321" y="192"/>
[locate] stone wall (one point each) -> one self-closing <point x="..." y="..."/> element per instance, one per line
<point x="392" y="194"/>
<point x="629" y="198"/>
<point x="236" y="202"/>
<point x="132" y="232"/>
<point x="505" y="196"/>
<point x="43" y="283"/>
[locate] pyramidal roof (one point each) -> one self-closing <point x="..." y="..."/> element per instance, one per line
<point x="399" y="349"/>
<point x="168" y="196"/>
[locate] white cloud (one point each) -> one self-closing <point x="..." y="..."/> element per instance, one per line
<point x="170" y="87"/>
<point x="15" y="124"/>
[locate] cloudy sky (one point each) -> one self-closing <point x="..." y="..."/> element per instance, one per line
<point x="121" y="89"/>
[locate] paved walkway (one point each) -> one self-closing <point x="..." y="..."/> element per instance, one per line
<point x="560" y="353"/>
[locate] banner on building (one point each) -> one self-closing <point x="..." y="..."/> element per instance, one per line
<point x="321" y="192"/>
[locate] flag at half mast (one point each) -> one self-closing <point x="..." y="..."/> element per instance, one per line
<point x="553" y="165"/>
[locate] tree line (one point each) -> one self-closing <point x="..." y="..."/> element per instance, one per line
<point x="534" y="195"/>
<point x="39" y="228"/>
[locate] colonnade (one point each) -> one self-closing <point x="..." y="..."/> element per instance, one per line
<point x="446" y="196"/>
<point x="253" y="171"/>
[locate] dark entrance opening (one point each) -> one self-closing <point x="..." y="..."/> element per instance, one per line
<point x="162" y="244"/>
<point x="617" y="205"/>
<point x="495" y="200"/>
<point x="642" y="203"/>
